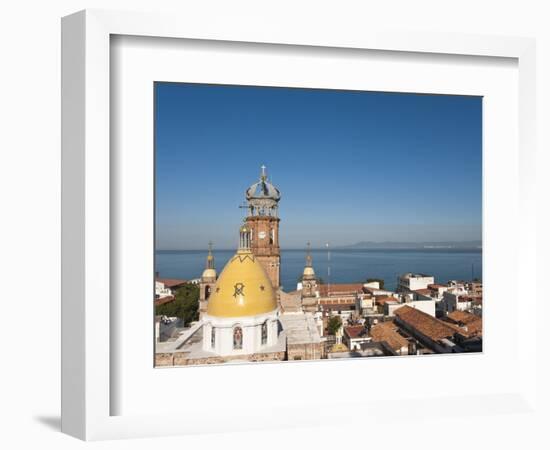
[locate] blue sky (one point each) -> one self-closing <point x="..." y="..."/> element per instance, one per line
<point x="351" y="166"/>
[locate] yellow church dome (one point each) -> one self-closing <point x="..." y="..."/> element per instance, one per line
<point x="243" y="289"/>
<point x="308" y="271"/>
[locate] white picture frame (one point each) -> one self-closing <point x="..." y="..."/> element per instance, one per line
<point x="87" y="355"/>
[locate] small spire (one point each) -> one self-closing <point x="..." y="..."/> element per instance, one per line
<point x="308" y="255"/>
<point x="210" y="257"/>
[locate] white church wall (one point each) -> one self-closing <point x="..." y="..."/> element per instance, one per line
<point x="251" y="333"/>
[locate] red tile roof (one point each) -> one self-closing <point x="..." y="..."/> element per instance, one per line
<point x="163" y="300"/>
<point x="462" y="316"/>
<point x="355" y="331"/>
<point x="427" y="325"/>
<point x="472" y="324"/>
<point x="387" y="332"/>
<point x="383" y="299"/>
<point x="423" y="291"/>
<point x="171" y="282"/>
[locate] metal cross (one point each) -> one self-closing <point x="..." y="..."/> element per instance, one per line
<point x="263" y="167"/>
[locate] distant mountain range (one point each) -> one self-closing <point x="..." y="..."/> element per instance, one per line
<point x="414" y="245"/>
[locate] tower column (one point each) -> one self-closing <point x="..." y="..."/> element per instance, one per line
<point x="207" y="282"/>
<point x="262" y="220"/>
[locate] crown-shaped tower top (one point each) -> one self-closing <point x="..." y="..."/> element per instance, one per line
<point x="262" y="197"/>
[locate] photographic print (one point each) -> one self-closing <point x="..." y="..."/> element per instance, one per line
<point x="296" y="224"/>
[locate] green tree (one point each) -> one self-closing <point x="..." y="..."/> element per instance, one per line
<point x="334" y="324"/>
<point x="185" y="306"/>
<point x="380" y="280"/>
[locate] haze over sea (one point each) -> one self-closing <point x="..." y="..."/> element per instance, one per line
<point x="346" y="265"/>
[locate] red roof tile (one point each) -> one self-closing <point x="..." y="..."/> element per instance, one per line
<point x="163" y="300"/>
<point x="355" y="331"/>
<point x="171" y="282"/>
<point x="471" y="324"/>
<point x="423" y="291"/>
<point x="429" y="326"/>
<point x="387" y="332"/>
<point x="383" y="299"/>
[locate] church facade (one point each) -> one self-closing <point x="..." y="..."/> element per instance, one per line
<point x="242" y="316"/>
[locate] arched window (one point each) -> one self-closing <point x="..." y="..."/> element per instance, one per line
<point x="237" y="338"/>
<point x="207" y="292"/>
<point x="264" y="333"/>
<point x="213" y="337"/>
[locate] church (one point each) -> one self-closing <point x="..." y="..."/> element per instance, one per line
<point x="244" y="315"/>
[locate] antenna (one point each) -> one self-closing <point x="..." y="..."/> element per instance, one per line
<point x="328" y="269"/>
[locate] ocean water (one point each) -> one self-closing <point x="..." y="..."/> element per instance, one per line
<point x="346" y="265"/>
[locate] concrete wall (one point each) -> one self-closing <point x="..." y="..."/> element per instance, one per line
<point x="297" y="352"/>
<point x="182" y="359"/>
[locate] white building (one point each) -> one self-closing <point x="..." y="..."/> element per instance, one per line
<point x="413" y="282"/>
<point x="365" y="303"/>
<point x="438" y="290"/>
<point x="456" y="299"/>
<point x="354" y="336"/>
<point x="165" y="287"/>
<point x="161" y="290"/>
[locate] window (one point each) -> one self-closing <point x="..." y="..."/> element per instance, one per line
<point x="264" y="333"/>
<point x="237" y="338"/>
<point x="213" y="337"/>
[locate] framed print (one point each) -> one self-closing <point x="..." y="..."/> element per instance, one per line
<point x="276" y="298"/>
<point x="376" y="174"/>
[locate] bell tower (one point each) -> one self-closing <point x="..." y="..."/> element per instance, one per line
<point x="262" y="203"/>
<point x="309" y="284"/>
<point x="207" y="281"/>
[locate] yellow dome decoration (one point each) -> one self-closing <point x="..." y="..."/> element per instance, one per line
<point x="243" y="289"/>
<point x="339" y="348"/>
<point x="308" y="271"/>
